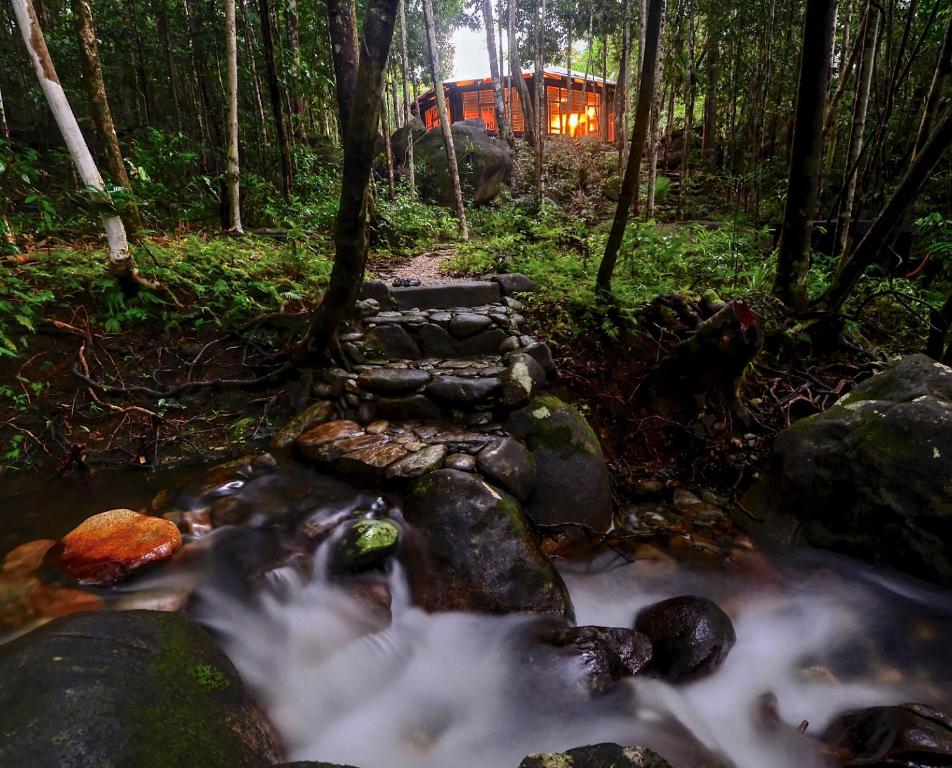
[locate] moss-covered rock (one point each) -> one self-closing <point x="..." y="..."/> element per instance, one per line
<point x="128" y="689"/>
<point x="871" y="476"/>
<point x="572" y="484"/>
<point x="365" y="544"/>
<point x="471" y="549"/>
<point x="598" y="756"/>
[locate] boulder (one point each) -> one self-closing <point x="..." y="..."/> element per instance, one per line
<point x="870" y="477"/>
<point x="390" y="342"/>
<point x="910" y="735"/>
<point x="364" y="544"/>
<point x="130" y="689"/>
<point x="520" y="380"/>
<point x="315" y="414"/>
<point x="471" y="550"/>
<point x="508" y="464"/>
<point x="484" y="164"/>
<point x="468" y="324"/>
<point x="514" y="282"/>
<point x="424" y="460"/>
<point x="572" y="479"/>
<point x="690" y="637"/>
<point x="598" y="756"/>
<point x="110" y="546"/>
<point x="400" y="140"/>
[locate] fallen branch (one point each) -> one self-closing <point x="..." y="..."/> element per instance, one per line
<point x="188" y="385"/>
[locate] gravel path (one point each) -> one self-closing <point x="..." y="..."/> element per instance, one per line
<point x="424" y="267"/>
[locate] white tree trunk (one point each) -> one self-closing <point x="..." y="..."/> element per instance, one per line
<point x="404" y="69"/>
<point x="4" y="128"/>
<point x="232" y="170"/>
<point x="653" y="136"/>
<point x="119" y="258"/>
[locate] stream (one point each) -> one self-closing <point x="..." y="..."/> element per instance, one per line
<point x="351" y="672"/>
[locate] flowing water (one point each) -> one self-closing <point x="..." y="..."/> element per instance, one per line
<point x="347" y="680"/>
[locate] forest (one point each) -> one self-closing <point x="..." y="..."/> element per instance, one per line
<point x="450" y="383"/>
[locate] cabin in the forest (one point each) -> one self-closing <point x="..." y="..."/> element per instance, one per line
<point x="574" y="103"/>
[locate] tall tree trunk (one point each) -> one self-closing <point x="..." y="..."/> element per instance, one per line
<point x="162" y="23"/>
<point x="628" y="197"/>
<point x="253" y="65"/>
<point x="404" y="67"/>
<point x="274" y="88"/>
<point x="864" y="254"/>
<point x="540" y="101"/>
<point x="621" y="90"/>
<point x="503" y="131"/>
<point x="939" y="90"/>
<point x="297" y="91"/>
<point x="793" y="260"/>
<point x="342" y="24"/>
<point x="140" y="64"/>
<point x="120" y="260"/>
<point x="516" y="78"/>
<point x="688" y="105"/>
<point x="709" y="140"/>
<point x="570" y="78"/>
<point x="653" y="140"/>
<point x="385" y="127"/>
<point x="860" y="103"/>
<point x="231" y="154"/>
<point x="198" y="87"/>
<point x="4" y="128"/>
<point x="445" y="127"/>
<point x="603" y="114"/>
<point x="350" y="232"/>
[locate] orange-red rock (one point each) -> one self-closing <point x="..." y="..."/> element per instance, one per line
<point x="49" y="603"/>
<point x="27" y="558"/>
<point x="108" y="547"/>
<point x="310" y="442"/>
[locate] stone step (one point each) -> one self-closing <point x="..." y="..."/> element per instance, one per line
<point x="463" y="293"/>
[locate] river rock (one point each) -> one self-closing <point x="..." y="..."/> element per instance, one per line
<point x="598" y="756"/>
<point x="369" y="464"/>
<point x="127" y="689"/>
<point x="471" y="550"/>
<point x="464" y="462"/>
<point x="520" y="380"/>
<point x="508" y="464"/>
<point x="514" y="282"/>
<point x="690" y="637"/>
<point x="110" y="546"/>
<point x="419" y="463"/>
<point x="365" y="544"/>
<point x="26" y="558"/>
<point x="468" y="324"/>
<point x="543" y="356"/>
<point x="870" y="476"/>
<point x="411" y="408"/>
<point x="315" y="414"/>
<point x="461" y="391"/>
<point x="572" y="483"/>
<point x="393" y="379"/>
<point x="310" y="443"/>
<point x="390" y="342"/>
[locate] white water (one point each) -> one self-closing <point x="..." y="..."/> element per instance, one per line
<point x="444" y="691"/>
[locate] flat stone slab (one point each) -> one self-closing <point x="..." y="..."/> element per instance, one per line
<point x="468" y="293"/>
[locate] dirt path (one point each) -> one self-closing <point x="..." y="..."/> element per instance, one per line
<point x="424" y="267"/>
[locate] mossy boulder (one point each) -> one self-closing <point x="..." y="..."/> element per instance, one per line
<point x="366" y="543"/>
<point x="572" y="482"/>
<point x="470" y="549"/>
<point x="128" y="689"/>
<point x="871" y="476"/>
<point x="598" y="756"/>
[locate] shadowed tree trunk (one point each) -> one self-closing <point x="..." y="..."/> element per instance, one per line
<point x="540" y="100"/>
<point x="709" y="139"/>
<point x="342" y="24"/>
<point x="628" y="197"/>
<point x="404" y="66"/>
<point x="939" y="92"/>
<point x="515" y="75"/>
<point x="297" y="90"/>
<point x="864" y="80"/>
<point x="385" y="127"/>
<point x="231" y="154"/>
<point x="445" y="127"/>
<point x="350" y="231"/>
<point x="621" y="90"/>
<point x="274" y="88"/>
<point x="793" y="260"/>
<point x="653" y="137"/>
<point x="503" y="131"/>
<point x="96" y="91"/>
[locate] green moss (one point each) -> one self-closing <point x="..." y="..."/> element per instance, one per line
<point x="564" y="431"/>
<point x="375" y="536"/>
<point x="210" y="677"/>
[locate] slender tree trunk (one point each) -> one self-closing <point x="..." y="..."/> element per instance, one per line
<point x="589" y="67"/>
<point x="274" y="88"/>
<point x="793" y="260"/>
<point x="385" y="127"/>
<point x="603" y="115"/>
<point x="162" y="23"/>
<point x="200" y="95"/>
<point x="140" y="64"/>
<point x="628" y="198"/>
<point x="938" y="92"/>
<point x="653" y="140"/>
<point x="503" y="131"/>
<point x="231" y="154"/>
<point x="4" y="128"/>
<point x="864" y="254"/>
<point x="297" y="90"/>
<point x="540" y="101"/>
<point x="570" y="78"/>
<point x="621" y="90"/>
<point x="253" y="65"/>
<point x="688" y="106"/>
<point x="350" y="233"/>
<point x="515" y="75"/>
<point x="120" y="260"/>
<point x="445" y="127"/>
<point x="404" y="67"/>
<point x="342" y="24"/>
<point x="709" y="140"/>
<point x="860" y="104"/>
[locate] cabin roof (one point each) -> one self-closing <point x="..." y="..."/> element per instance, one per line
<point x="526" y="72"/>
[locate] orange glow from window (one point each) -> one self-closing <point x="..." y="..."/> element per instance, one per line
<point x="573" y="120"/>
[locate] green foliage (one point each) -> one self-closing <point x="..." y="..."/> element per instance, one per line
<point x="405" y="223"/>
<point x="934" y="236"/>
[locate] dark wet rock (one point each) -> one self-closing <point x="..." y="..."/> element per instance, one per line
<point x="690" y="637"/>
<point x="870" y="476"/>
<point x="521" y="379"/>
<point x="508" y="464"/>
<point x="461" y="293"/>
<point x="391" y="342"/>
<point x="127" y="688"/>
<point x="906" y="736"/>
<point x="332" y="451"/>
<point x="436" y="342"/>
<point x="110" y="546"/>
<point x="419" y="463"/>
<point x="315" y="414"/>
<point x="414" y="407"/>
<point x="464" y="462"/>
<point x="468" y="324"/>
<point x="543" y="356"/>
<point x="471" y="549"/>
<point x="310" y="443"/>
<point x="514" y="282"/>
<point x="366" y="308"/>
<point x="365" y="544"/>
<point x="598" y="756"/>
<point x="369" y="464"/>
<point x="461" y="391"/>
<point x="484" y="164"/>
<point x="377" y="290"/>
<point x="510" y="344"/>
<point x="393" y="379"/>
<point x="573" y="484"/>
<point x="353" y="353"/>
